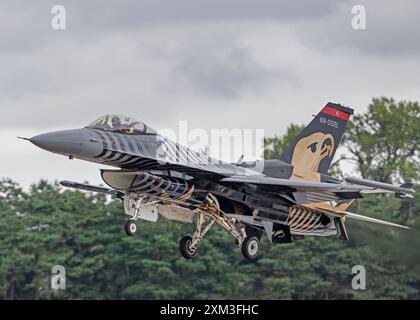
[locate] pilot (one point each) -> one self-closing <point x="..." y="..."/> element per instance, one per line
<point x="115" y="123"/>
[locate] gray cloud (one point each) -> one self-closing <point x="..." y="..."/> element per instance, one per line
<point x="324" y="24"/>
<point x="29" y="22"/>
<point x="392" y="29"/>
<point x="10" y="80"/>
<point x="227" y="73"/>
<point x="230" y="64"/>
<point x="129" y="12"/>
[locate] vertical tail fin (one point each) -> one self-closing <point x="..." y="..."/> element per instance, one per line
<point x="315" y="147"/>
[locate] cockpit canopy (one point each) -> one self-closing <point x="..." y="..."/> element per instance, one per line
<point x="121" y="124"/>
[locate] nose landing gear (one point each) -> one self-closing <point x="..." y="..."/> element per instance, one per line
<point x="132" y="205"/>
<point x="138" y="207"/>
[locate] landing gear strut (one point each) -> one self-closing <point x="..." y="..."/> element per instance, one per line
<point x="209" y="213"/>
<point x="189" y="245"/>
<point x="132" y="205"/>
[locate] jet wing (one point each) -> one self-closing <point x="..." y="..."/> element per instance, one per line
<point x="298" y="185"/>
<point x="311" y="192"/>
<point x="191" y="162"/>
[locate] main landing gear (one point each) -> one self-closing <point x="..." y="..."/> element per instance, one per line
<point x="187" y="250"/>
<point x="188" y="245"/>
<point x="209" y="213"/>
<point x="251" y="247"/>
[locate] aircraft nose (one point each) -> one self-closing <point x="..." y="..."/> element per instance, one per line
<point x="67" y="142"/>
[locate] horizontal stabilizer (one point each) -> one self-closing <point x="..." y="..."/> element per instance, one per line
<point x="369" y="219"/>
<point x="339" y="212"/>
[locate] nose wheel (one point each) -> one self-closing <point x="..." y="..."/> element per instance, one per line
<point x="130" y="227"/>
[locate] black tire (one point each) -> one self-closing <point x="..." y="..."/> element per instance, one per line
<point x="251" y="248"/>
<point x="185" y="248"/>
<point x="130" y="228"/>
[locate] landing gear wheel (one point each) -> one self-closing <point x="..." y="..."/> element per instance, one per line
<point x="251" y="248"/>
<point x="130" y="227"/>
<point x="185" y="248"/>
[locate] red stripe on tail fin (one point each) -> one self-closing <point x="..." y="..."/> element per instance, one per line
<point x="336" y="113"/>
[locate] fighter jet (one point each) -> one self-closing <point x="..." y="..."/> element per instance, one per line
<point x="289" y="198"/>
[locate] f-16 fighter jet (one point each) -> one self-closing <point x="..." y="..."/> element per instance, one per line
<point x="290" y="198"/>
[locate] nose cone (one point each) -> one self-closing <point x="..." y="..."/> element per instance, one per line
<point x="67" y="142"/>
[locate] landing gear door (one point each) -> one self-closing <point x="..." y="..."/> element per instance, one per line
<point x="149" y="213"/>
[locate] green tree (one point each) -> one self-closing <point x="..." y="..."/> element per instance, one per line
<point x="85" y="235"/>
<point x="384" y="141"/>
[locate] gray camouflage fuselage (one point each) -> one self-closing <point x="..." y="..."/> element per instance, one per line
<point x="157" y="155"/>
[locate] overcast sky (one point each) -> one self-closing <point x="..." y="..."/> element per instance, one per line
<point x="217" y="64"/>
